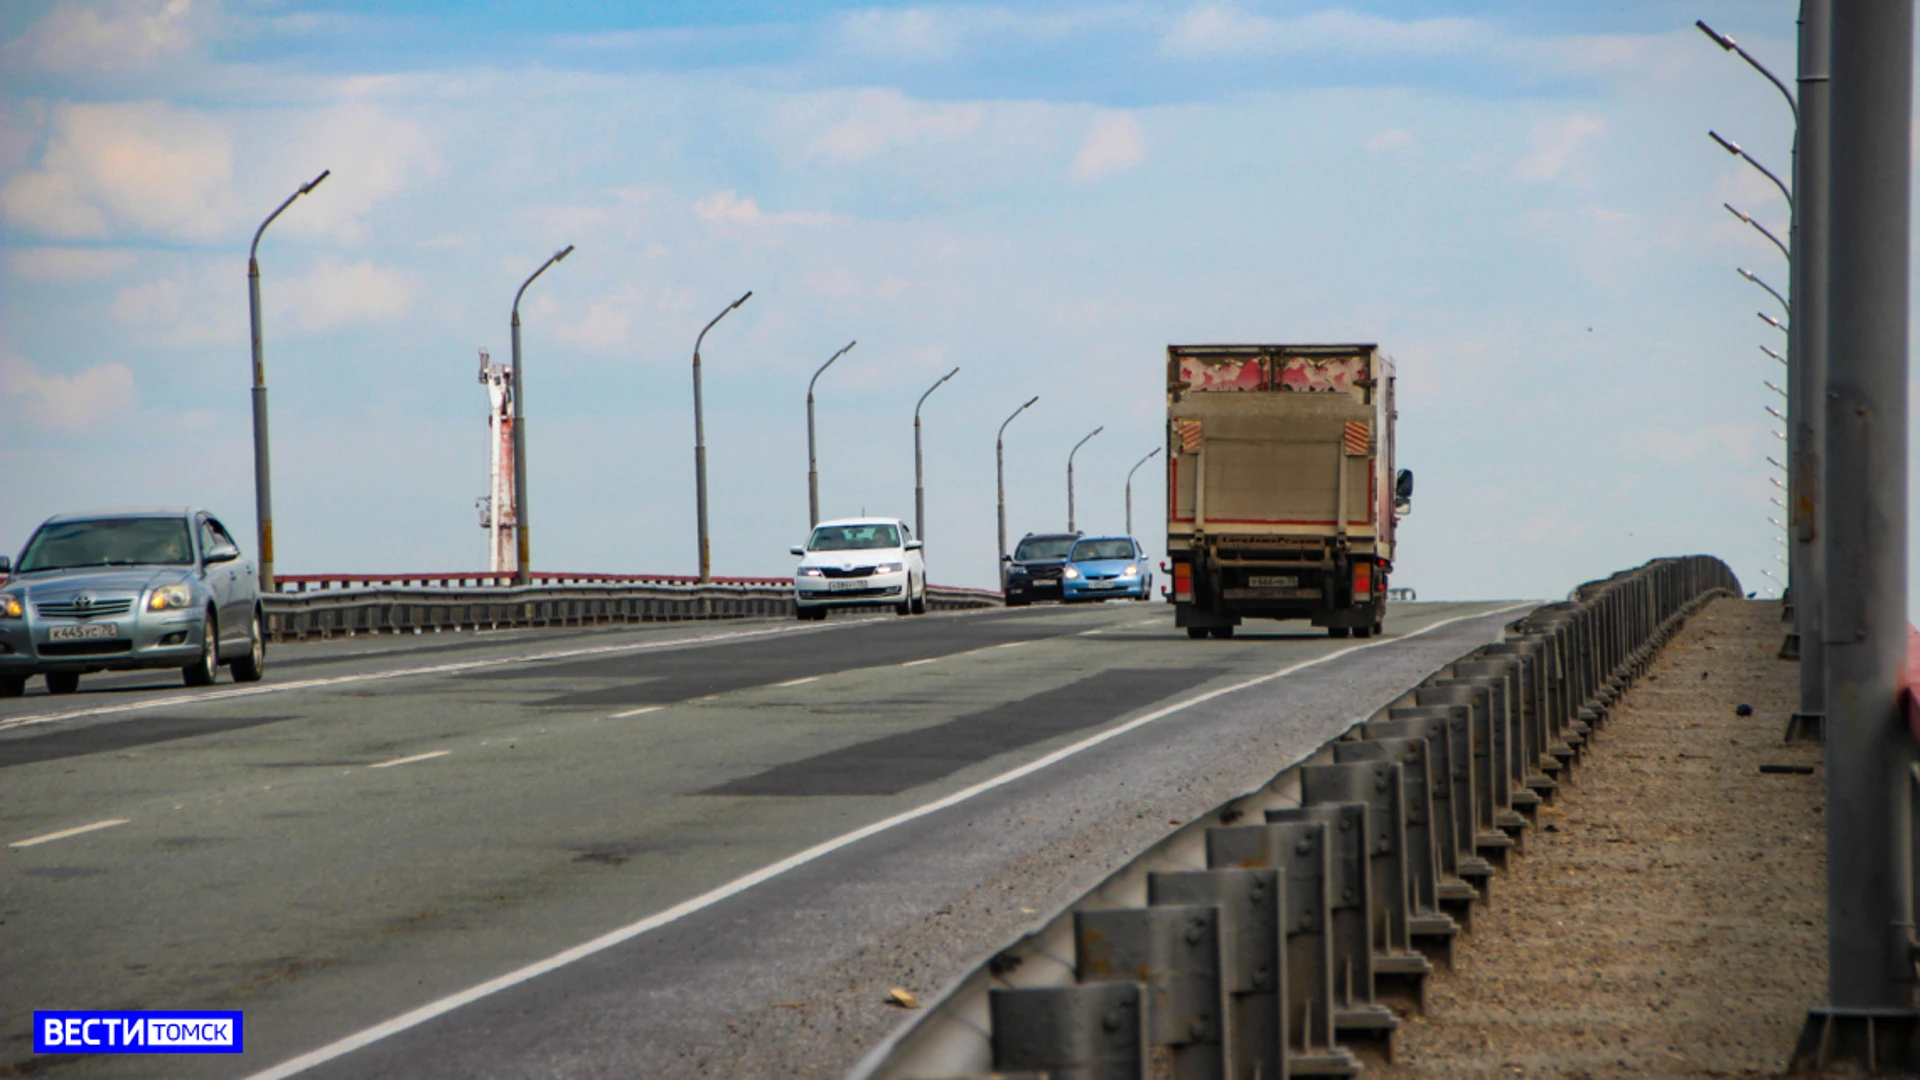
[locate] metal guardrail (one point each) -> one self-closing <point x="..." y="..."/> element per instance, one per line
<point x="1277" y="935"/>
<point x="479" y="579"/>
<point x="364" y="604"/>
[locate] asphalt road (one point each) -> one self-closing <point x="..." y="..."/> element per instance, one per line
<point x="535" y="842"/>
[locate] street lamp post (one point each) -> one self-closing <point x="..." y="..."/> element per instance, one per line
<point x="1130" y="472"/>
<point x="1733" y="46"/>
<point x="813" y="470"/>
<point x="262" y="467"/>
<point x="1000" y="475"/>
<point x="700" y="447"/>
<point x="1070" y="453"/>
<point x="1734" y="149"/>
<point x="919" y="489"/>
<point x="1755" y="278"/>
<point x="522" y="572"/>
<point x="1763" y="231"/>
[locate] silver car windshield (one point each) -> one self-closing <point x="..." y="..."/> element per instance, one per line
<point x="853" y="537"/>
<point x="108" y="542"/>
<point x="1095" y="550"/>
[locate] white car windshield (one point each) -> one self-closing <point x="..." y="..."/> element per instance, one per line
<point x="853" y="537"/>
<point x="109" y="542"/>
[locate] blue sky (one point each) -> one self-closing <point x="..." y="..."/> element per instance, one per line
<point x="1517" y="200"/>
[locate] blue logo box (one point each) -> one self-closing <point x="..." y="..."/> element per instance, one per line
<point x="91" y="1031"/>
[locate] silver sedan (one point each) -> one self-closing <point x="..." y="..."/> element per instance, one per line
<point x="129" y="589"/>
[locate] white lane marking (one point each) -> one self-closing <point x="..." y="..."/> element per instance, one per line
<point x="799" y="682"/>
<point x="917" y="663"/>
<point x="429" y="1011"/>
<point x="1090" y="633"/>
<point x="1009" y="644"/>
<point x="179" y="701"/>
<point x="410" y="760"/>
<point x="64" y="833"/>
<point x="636" y="712"/>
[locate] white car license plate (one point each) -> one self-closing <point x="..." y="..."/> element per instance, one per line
<point x="1272" y="581"/>
<point x="845" y="586"/>
<point x="1103" y="584"/>
<point x="83" y="632"/>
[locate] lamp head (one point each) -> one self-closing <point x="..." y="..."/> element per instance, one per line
<point x="1730" y="147"/>
<point x="1719" y="39"/>
<point x="563" y="253"/>
<point x="315" y="182"/>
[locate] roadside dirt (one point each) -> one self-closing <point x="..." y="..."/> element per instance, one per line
<point x="1669" y="917"/>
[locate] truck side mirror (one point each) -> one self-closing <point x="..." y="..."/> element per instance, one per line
<point x="1403" y="484"/>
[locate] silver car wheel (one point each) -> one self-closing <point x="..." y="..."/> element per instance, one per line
<point x="203" y="671"/>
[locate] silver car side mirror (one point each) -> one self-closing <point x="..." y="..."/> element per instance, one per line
<point x="798" y="550"/>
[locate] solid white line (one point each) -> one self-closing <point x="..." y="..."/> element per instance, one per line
<point x="64" y="833"/>
<point x="429" y="1011"/>
<point x="917" y="663"/>
<point x="181" y="700"/>
<point x="1009" y="644"/>
<point x="410" y="760"/>
<point x="799" y="682"/>
<point x="636" y="712"/>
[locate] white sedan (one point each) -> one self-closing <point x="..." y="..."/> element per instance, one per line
<point x="860" y="562"/>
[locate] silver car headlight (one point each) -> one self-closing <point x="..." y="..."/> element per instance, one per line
<point x="11" y="606"/>
<point x="811" y="571"/>
<point x="1069" y="572"/>
<point x="170" y="596"/>
<point x="1131" y="571"/>
<point x="889" y="568"/>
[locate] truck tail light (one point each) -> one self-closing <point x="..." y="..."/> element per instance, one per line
<point x="1362" y="579"/>
<point x="1182" y="582"/>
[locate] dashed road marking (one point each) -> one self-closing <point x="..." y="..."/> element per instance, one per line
<point x="917" y="663"/>
<point x="64" y="833"/>
<point x="636" y="712"/>
<point x="410" y="760"/>
<point x="799" y="682"/>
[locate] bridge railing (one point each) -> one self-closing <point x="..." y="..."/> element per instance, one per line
<point x="351" y="604"/>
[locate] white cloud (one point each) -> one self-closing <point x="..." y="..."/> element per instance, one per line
<point x="604" y="329"/>
<point x="1555" y="141"/>
<point x="73" y="403"/>
<point x="1216" y="29"/>
<point x="372" y="153"/>
<point x="66" y="264"/>
<point x="912" y="34"/>
<point x="1742" y="443"/>
<point x="882" y="119"/>
<point x="726" y="206"/>
<point x="129" y="35"/>
<point x="334" y="293"/>
<point x="1114" y="143"/>
<point x="153" y="168"/>
<point x="1390" y="141"/>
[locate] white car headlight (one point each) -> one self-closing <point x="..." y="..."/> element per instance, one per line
<point x="811" y="571"/>
<point x="11" y="606"/>
<point x="889" y="568"/>
<point x="1131" y="571"/>
<point x="1070" y="572"/>
<point x="170" y="596"/>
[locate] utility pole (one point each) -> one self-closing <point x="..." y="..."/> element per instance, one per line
<point x="700" y="448"/>
<point x="262" y="466"/>
<point x="813" y="469"/>
<point x="919" y="488"/>
<point x="1807" y="375"/>
<point x="1869" y="1017"/>
<point x="1000" y="479"/>
<point x="523" y="573"/>
<point x="1070" y="453"/>
<point x="1130" y="472"/>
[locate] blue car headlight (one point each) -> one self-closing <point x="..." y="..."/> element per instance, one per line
<point x="1070" y="573"/>
<point x="1131" y="571"/>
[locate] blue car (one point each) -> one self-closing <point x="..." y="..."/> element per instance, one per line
<point x="1106" y="568"/>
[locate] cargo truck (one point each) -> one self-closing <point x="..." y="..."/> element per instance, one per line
<point x="1281" y="489"/>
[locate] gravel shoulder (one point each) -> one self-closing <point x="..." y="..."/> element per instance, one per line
<point x="1669" y="917"/>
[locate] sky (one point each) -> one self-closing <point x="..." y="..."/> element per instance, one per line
<point x="1518" y="201"/>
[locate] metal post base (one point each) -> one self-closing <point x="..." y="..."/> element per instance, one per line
<point x="1806" y="727"/>
<point x="1881" y="1041"/>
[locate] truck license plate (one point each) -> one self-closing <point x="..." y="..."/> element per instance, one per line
<point x="1272" y="581"/>
<point x="83" y="632"/>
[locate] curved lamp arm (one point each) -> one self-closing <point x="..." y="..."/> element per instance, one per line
<point x="823" y="367"/>
<point x="929" y="393"/>
<point x="254" y="251"/>
<point x="554" y="258"/>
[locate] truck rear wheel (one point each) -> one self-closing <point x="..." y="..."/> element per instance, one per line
<point x="1222" y="633"/>
<point x="1363" y="631"/>
<point x="1197" y="633"/>
<point x="1337" y="631"/>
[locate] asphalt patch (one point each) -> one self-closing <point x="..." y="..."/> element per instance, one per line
<point x="124" y="735"/>
<point x="896" y="763"/>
